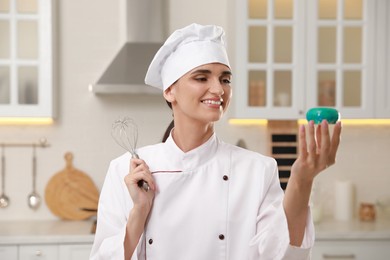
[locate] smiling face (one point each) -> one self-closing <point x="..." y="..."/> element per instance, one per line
<point x="202" y="95"/>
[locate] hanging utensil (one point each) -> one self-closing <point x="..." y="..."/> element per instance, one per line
<point x="125" y="133"/>
<point x="70" y="191"/>
<point x="4" y="200"/>
<point x="34" y="200"/>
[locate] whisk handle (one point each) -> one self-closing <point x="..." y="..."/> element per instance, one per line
<point x="142" y="184"/>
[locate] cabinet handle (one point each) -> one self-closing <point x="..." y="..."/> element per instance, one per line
<point x="348" y="256"/>
<point x="38" y="253"/>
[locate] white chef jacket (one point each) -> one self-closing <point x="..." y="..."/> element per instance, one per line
<point x="217" y="201"/>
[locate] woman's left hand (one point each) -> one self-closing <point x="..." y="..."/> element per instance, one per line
<point x="315" y="154"/>
<point x="317" y="150"/>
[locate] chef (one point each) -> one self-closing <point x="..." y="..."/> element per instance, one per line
<point x="207" y="200"/>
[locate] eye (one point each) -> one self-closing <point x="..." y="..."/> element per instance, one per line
<point x="201" y="79"/>
<point x="226" y="81"/>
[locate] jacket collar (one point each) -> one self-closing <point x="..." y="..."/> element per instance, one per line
<point x="190" y="160"/>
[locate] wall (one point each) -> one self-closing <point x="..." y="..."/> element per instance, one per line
<point x="88" y="36"/>
<point x="363" y="159"/>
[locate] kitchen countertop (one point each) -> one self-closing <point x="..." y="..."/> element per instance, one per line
<point x="330" y="229"/>
<point x="45" y="232"/>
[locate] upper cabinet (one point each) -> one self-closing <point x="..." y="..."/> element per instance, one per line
<point x="382" y="71"/>
<point x="294" y="54"/>
<point x="26" y="63"/>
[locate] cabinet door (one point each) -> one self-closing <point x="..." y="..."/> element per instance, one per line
<point x="74" y="252"/>
<point x="26" y="74"/>
<point x="383" y="62"/>
<point x="292" y="55"/>
<point x="9" y="252"/>
<point x="359" y="250"/>
<point x="38" y="252"/>
<point x="340" y="54"/>
<point x="269" y="68"/>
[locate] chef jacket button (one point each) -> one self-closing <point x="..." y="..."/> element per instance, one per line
<point x="150" y="241"/>
<point x="221" y="237"/>
<point x="225" y="177"/>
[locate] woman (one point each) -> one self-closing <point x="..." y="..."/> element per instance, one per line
<point x="207" y="199"/>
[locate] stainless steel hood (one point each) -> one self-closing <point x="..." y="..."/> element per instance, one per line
<point x="145" y="23"/>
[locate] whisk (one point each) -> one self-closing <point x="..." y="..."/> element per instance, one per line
<point x="125" y="133"/>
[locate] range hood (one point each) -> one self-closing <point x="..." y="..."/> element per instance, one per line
<point x="144" y="22"/>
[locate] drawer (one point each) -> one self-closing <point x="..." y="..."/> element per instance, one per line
<point x="38" y="252"/>
<point x="9" y="252"/>
<point x="74" y="252"/>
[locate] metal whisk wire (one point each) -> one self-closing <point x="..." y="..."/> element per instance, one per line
<point x="125" y="133"/>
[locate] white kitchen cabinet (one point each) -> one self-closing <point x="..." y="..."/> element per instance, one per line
<point x="294" y="55"/>
<point x="74" y="252"/>
<point x="268" y="68"/>
<point x="46" y="251"/>
<point x="46" y="239"/>
<point x="382" y="104"/>
<point x="38" y="252"/>
<point x="26" y="58"/>
<point x="350" y="249"/>
<point x="9" y="252"/>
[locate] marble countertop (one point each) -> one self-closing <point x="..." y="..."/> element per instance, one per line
<point x="330" y="229"/>
<point x="45" y="232"/>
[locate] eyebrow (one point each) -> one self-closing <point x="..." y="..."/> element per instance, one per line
<point x="226" y="72"/>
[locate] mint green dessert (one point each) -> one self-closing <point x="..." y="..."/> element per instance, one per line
<point x="317" y="114"/>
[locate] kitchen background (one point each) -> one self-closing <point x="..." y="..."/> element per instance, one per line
<point x="88" y="33"/>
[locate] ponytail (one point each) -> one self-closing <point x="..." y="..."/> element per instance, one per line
<point x="168" y="131"/>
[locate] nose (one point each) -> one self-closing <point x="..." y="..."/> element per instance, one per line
<point x="217" y="88"/>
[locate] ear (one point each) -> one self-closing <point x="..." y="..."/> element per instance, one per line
<point x="169" y="94"/>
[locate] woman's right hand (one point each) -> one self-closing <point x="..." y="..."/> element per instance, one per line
<point x="142" y="200"/>
<point x="139" y="170"/>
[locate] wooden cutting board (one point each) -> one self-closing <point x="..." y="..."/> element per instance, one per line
<point x="70" y="191"/>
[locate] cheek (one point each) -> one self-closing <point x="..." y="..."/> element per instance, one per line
<point x="227" y="96"/>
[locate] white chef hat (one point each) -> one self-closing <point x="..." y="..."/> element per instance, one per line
<point x="184" y="50"/>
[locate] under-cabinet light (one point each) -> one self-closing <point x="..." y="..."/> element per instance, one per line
<point x="26" y="121"/>
<point x="236" y="121"/>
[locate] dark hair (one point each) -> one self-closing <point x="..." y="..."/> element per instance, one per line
<point x="169" y="128"/>
<point x="168" y="131"/>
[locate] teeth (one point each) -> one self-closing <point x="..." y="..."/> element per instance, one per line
<point x="212" y="102"/>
